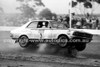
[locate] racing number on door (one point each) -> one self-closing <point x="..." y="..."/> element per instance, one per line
<point x="41" y="31"/>
<point x="42" y="26"/>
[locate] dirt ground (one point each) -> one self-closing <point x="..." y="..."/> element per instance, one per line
<point x="12" y="55"/>
<point x="10" y="63"/>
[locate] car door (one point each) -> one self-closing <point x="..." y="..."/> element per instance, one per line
<point x="44" y="30"/>
<point x="32" y="27"/>
<point x="47" y="33"/>
<point x="57" y="29"/>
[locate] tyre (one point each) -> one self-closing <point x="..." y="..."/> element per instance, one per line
<point x="62" y="41"/>
<point x="23" y="41"/>
<point x="80" y="46"/>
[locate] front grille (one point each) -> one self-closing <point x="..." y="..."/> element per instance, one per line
<point x="82" y="34"/>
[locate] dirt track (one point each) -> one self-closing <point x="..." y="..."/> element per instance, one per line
<point x="10" y="51"/>
<point x="37" y="60"/>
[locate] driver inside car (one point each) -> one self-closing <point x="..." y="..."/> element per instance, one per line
<point x="44" y="25"/>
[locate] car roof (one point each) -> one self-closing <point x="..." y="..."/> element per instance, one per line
<point x="42" y="20"/>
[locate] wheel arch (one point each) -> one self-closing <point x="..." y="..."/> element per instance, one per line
<point x="23" y="35"/>
<point x="63" y="35"/>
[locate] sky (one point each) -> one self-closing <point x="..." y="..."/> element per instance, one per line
<point x="9" y="6"/>
<point x="56" y="6"/>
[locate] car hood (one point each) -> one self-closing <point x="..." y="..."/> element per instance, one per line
<point x="16" y="30"/>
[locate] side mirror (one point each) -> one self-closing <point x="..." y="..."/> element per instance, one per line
<point x="50" y="27"/>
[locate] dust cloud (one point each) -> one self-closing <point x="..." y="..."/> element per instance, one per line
<point x="42" y="47"/>
<point x="49" y="49"/>
<point x="46" y="48"/>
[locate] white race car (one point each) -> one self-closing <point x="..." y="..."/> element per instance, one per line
<point x="51" y="32"/>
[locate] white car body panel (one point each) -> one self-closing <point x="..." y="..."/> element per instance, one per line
<point x="40" y="33"/>
<point x="36" y="33"/>
<point x="56" y="33"/>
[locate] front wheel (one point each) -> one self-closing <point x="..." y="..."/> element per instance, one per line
<point x="63" y="41"/>
<point x="80" y="46"/>
<point x="23" y="41"/>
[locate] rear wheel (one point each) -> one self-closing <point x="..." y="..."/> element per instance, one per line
<point x="23" y="41"/>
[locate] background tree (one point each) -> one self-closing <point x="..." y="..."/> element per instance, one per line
<point x="85" y="5"/>
<point x="29" y="7"/>
<point x="47" y="14"/>
<point x="1" y="10"/>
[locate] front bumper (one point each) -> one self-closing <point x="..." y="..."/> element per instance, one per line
<point x="12" y="37"/>
<point x="81" y="39"/>
<point x="82" y="36"/>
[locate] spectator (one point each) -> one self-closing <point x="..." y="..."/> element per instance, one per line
<point x="74" y="21"/>
<point x="97" y="23"/>
<point x="78" y="24"/>
<point x="83" y="21"/>
<point x="67" y="19"/>
<point x="65" y="22"/>
<point x="88" y="23"/>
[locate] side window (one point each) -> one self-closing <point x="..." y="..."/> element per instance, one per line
<point x="54" y="25"/>
<point x="59" y="26"/>
<point x="39" y="25"/>
<point x="42" y="24"/>
<point x="32" y="25"/>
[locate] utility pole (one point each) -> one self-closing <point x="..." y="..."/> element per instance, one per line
<point x="70" y="11"/>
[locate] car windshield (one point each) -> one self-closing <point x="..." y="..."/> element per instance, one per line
<point x="32" y="25"/>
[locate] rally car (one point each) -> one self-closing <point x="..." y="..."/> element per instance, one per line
<point x="51" y="32"/>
